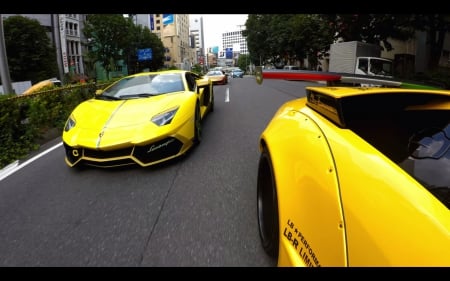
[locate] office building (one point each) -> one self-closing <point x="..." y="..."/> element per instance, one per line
<point x="173" y="30"/>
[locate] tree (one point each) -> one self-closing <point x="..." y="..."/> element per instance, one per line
<point x="109" y="36"/>
<point x="142" y="38"/>
<point x="243" y="62"/>
<point x="436" y="26"/>
<point x="256" y="34"/>
<point x="31" y="55"/>
<point x="380" y="28"/>
<point x="281" y="39"/>
<point x="370" y="28"/>
<point x="311" y="37"/>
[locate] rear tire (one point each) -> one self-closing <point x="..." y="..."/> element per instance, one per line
<point x="267" y="204"/>
<point x="211" y="109"/>
<point x="197" y="126"/>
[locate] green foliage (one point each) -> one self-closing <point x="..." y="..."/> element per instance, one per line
<point x="371" y="28"/>
<point x="16" y="135"/>
<point x="31" y="55"/>
<point x="243" y="62"/>
<point x="109" y="35"/>
<point x="380" y="28"/>
<point x="281" y="39"/>
<point x="24" y="120"/>
<point x="142" y="38"/>
<point x="197" y="68"/>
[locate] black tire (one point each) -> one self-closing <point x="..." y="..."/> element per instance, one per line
<point x="197" y="126"/>
<point x="211" y="108"/>
<point x="267" y="204"/>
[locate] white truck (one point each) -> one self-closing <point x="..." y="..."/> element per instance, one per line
<point x="356" y="57"/>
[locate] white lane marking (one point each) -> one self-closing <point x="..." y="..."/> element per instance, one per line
<point x="227" y="95"/>
<point x="12" y="168"/>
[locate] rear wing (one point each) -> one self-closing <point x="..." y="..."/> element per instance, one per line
<point x="339" y="79"/>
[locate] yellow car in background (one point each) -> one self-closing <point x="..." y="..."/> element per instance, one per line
<point x="142" y="119"/>
<point x="357" y="177"/>
<point x="40" y="86"/>
<point x="217" y="77"/>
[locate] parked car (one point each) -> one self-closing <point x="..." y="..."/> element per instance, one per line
<point x="353" y="176"/>
<point x="143" y="119"/>
<point x="237" y="73"/>
<point x="42" y="85"/>
<point x="217" y="77"/>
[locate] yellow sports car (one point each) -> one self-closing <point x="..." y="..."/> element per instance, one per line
<point x="143" y="119"/>
<point x="357" y="177"/>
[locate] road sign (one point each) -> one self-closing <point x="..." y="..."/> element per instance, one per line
<point x="145" y="54"/>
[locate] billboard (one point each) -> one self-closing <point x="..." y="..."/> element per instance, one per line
<point x="152" y="23"/>
<point x="168" y="25"/>
<point x="229" y="53"/>
<point x="167" y="19"/>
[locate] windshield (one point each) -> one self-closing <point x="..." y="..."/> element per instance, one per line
<point x="144" y="86"/>
<point x="214" y="73"/>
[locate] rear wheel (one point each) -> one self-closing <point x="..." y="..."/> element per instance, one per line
<point x="211" y="108"/>
<point x="197" y="126"/>
<point x="267" y="204"/>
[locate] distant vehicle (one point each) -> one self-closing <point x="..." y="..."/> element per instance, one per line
<point x="291" y="67"/>
<point x="218" y="77"/>
<point x="359" y="58"/>
<point x="237" y="73"/>
<point x="41" y="85"/>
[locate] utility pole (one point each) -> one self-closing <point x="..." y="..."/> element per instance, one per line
<point x="4" y="70"/>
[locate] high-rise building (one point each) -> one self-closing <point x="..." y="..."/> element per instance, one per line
<point x="197" y="39"/>
<point x="235" y="40"/>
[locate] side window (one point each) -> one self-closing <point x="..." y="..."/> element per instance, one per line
<point x="363" y="65"/>
<point x="190" y="79"/>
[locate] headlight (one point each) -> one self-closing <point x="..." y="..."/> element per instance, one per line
<point x="165" y="117"/>
<point x="70" y="123"/>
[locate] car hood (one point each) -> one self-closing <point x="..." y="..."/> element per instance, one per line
<point x="96" y="113"/>
<point x="120" y="121"/>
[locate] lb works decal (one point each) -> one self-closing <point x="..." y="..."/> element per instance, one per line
<point x="300" y="244"/>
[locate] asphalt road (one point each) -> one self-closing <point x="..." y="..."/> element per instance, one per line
<point x="196" y="211"/>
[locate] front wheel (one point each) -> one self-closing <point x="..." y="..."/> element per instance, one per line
<point x="267" y="205"/>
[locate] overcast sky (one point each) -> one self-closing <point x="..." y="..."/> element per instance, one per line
<point x="215" y="25"/>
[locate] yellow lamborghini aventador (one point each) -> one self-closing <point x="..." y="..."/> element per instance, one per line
<point x="352" y="176"/>
<point x="143" y="119"/>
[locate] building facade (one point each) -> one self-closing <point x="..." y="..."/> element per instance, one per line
<point x="235" y="40"/>
<point x="65" y="32"/>
<point x="233" y="45"/>
<point x="173" y="30"/>
<point x="197" y="39"/>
